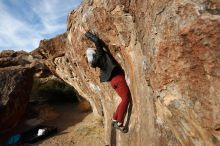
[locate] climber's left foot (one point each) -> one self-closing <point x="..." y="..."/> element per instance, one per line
<point x="120" y="127"/>
<point x="114" y="123"/>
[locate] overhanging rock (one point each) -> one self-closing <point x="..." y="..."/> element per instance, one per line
<point x="170" y="52"/>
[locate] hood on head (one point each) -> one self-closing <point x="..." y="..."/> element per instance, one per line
<point x="89" y="54"/>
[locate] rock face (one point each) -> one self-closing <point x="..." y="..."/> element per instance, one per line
<point x="170" y="51"/>
<point x="15" y="87"/>
<point x="16" y="79"/>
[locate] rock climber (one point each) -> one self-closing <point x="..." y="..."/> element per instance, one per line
<point x="110" y="71"/>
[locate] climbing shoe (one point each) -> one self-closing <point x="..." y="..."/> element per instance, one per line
<point x="114" y="123"/>
<point x="119" y="127"/>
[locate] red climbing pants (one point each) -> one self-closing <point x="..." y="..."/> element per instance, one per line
<point x="119" y="84"/>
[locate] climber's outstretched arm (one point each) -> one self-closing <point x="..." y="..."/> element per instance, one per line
<point x="97" y="42"/>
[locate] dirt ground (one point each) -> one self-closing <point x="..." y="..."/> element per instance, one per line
<point x="75" y="128"/>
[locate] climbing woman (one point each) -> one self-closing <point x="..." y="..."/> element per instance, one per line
<point x="110" y="71"/>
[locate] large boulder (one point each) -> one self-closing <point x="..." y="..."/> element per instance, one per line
<point x="16" y="78"/>
<point x="15" y="87"/>
<point x="171" y="56"/>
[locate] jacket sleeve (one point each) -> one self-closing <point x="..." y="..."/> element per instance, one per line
<point x="97" y="41"/>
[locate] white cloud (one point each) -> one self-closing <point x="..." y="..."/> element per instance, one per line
<point x="9" y="32"/>
<point x="18" y="34"/>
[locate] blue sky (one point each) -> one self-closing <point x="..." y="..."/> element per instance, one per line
<point x="23" y="23"/>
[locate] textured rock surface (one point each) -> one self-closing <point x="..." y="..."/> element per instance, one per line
<point x="170" y="52"/>
<point x="15" y="87"/>
<point x="10" y="58"/>
<point x="16" y="79"/>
